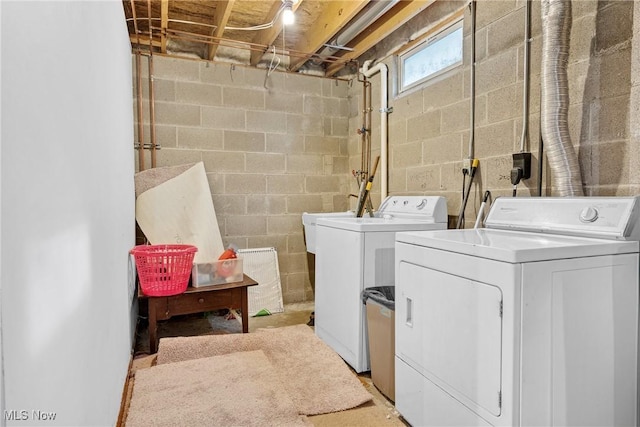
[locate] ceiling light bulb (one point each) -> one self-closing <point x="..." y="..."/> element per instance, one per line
<point x="288" y="18"/>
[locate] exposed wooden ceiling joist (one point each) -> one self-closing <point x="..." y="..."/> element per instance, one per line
<point x="164" y="24"/>
<point x="220" y="19"/>
<point x="144" y="40"/>
<point x="198" y="28"/>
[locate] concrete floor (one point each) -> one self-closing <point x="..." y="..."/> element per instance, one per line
<point x="294" y="314"/>
<point x="379" y="412"/>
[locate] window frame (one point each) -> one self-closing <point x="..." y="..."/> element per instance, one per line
<point x="429" y="40"/>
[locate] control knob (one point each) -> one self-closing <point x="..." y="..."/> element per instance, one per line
<point x="589" y="214"/>
<point x="421" y="204"/>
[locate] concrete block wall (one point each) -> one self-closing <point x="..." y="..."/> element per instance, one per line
<point x="429" y="127"/>
<point x="273" y="146"/>
<point x="277" y="145"/>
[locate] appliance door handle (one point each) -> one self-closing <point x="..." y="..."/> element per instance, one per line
<point x="409" y="311"/>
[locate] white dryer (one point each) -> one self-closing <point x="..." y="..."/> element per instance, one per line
<point x="530" y="321"/>
<point x="357" y="253"/>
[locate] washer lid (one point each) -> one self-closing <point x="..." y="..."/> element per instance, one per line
<point x="515" y="246"/>
<point x="381" y="224"/>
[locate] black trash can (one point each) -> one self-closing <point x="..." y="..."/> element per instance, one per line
<point x="381" y="304"/>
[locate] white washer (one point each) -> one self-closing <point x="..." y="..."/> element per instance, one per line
<point x="357" y="253"/>
<point x="531" y="321"/>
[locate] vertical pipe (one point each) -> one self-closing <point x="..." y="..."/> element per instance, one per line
<point x="152" y="112"/>
<point x="472" y="95"/>
<point x="368" y="125"/>
<point x="364" y="130"/>
<point x="384" y="111"/>
<point x="140" y="114"/>
<point x="473" y="163"/>
<point x="384" y="147"/>
<point x="139" y="90"/>
<point x="525" y="98"/>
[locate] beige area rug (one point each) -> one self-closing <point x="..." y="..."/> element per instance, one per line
<point x="315" y="377"/>
<point x="241" y="389"/>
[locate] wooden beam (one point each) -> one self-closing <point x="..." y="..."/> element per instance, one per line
<point x="391" y="21"/>
<point x="268" y="36"/>
<point x="334" y="17"/>
<point x="220" y="19"/>
<point x="164" y="24"/>
<point x="143" y="40"/>
<point x="435" y="28"/>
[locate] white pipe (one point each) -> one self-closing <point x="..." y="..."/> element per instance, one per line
<point x="384" y="111"/>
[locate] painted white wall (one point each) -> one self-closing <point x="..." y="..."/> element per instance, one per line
<point x="2" y="404"/>
<point x="67" y="202"/>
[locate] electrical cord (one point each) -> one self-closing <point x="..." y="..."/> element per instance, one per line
<point x="472" y="172"/>
<point x="465" y="172"/>
<point x="516" y="176"/>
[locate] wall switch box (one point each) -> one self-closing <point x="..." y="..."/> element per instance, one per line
<point x="522" y="161"/>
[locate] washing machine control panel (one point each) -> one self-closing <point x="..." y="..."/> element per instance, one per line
<point x="610" y="217"/>
<point x="418" y="206"/>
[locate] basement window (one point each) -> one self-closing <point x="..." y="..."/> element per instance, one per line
<point x="438" y="54"/>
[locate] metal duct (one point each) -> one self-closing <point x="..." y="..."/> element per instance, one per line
<point x="376" y="9"/>
<point x="563" y="161"/>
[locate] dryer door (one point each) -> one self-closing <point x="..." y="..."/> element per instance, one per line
<point x="449" y="328"/>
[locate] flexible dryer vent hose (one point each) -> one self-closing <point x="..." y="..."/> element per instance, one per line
<point x="563" y="161"/>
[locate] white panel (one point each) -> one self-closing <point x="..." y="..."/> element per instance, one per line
<point x="422" y="403"/>
<point x="579" y="342"/>
<point x="261" y="264"/>
<point x="67" y="209"/>
<point x="346" y="263"/>
<point x="338" y="308"/>
<point x="450" y="329"/>
<point x="379" y="259"/>
<point x="2" y="400"/>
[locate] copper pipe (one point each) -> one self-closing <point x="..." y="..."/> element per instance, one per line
<point x="152" y="110"/>
<point x="368" y="124"/>
<point x="364" y="126"/>
<point x="184" y="35"/>
<point x="139" y="89"/>
<point x="140" y="115"/>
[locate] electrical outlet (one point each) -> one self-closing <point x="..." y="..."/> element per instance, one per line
<point x="466" y="164"/>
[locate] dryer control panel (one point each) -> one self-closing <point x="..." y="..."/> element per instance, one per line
<point x="599" y="217"/>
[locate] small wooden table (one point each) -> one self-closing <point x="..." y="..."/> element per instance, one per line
<point x="198" y="300"/>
